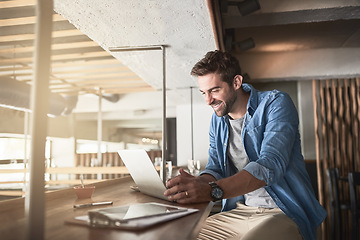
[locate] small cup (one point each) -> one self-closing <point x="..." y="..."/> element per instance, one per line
<point x="84" y="192"/>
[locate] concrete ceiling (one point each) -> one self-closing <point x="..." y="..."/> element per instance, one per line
<point x="294" y="40"/>
<point x="184" y="27"/>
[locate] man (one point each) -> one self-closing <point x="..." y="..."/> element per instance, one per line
<point x="255" y="163"/>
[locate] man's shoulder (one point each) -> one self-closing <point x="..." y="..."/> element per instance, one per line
<point x="272" y="95"/>
<point x="261" y="100"/>
<point x="262" y="95"/>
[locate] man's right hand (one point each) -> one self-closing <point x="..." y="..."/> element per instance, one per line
<point x="186" y="188"/>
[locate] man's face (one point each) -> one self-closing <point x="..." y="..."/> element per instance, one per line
<point x="218" y="94"/>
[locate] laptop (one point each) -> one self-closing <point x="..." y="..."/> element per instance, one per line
<point x="143" y="172"/>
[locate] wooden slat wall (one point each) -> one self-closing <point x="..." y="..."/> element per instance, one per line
<point x="337" y="121"/>
<point x="109" y="159"/>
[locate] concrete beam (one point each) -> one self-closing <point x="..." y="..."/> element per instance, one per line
<point x="298" y="65"/>
<point x="292" y="17"/>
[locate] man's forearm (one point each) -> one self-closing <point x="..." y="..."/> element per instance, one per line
<point x="239" y="184"/>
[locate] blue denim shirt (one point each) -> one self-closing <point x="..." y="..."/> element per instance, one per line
<point x="272" y="142"/>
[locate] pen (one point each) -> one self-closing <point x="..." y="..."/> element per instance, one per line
<point x="92" y="204"/>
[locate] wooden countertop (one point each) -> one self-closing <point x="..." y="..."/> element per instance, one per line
<point x="59" y="208"/>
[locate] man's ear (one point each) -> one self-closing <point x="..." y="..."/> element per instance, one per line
<point x="238" y="79"/>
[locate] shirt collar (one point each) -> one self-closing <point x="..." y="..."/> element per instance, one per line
<point x="253" y="100"/>
<point x="252" y="103"/>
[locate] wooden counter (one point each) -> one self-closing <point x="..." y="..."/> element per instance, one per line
<point x="59" y="208"/>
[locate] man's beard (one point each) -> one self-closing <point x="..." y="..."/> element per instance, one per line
<point x="227" y="105"/>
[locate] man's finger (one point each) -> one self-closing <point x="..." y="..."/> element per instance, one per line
<point x="173" y="182"/>
<point x="171" y="191"/>
<point x="183" y="173"/>
<point x="180" y="196"/>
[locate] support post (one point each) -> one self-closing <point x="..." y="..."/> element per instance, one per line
<point x="164" y="130"/>
<point x="35" y="194"/>
<point x="192" y="123"/>
<point x="99" y="131"/>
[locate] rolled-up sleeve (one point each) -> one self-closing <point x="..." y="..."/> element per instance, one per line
<point x="213" y="173"/>
<point x="258" y="171"/>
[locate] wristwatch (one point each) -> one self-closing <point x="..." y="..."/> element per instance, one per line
<point x="216" y="192"/>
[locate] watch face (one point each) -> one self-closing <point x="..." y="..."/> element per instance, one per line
<point x="217" y="193"/>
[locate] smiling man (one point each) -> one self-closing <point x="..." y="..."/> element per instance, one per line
<point x="255" y="162"/>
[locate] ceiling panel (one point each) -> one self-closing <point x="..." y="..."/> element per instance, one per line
<point x="79" y="65"/>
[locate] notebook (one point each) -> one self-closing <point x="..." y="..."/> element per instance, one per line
<point x="143" y="172"/>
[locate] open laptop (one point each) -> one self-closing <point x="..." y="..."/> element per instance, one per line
<point x="143" y="172"/>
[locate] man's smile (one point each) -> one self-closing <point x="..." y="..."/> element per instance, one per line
<point x="216" y="105"/>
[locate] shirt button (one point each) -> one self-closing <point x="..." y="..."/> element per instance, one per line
<point x="224" y="144"/>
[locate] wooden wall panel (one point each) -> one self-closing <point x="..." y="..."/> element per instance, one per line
<point x="109" y="159"/>
<point x="337" y="123"/>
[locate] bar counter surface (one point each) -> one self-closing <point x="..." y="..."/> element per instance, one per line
<point x="59" y="209"/>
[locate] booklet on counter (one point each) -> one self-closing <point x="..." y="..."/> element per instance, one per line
<point x="132" y="217"/>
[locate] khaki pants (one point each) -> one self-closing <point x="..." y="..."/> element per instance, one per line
<point x="250" y="223"/>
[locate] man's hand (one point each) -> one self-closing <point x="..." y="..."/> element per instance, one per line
<point x="186" y="188"/>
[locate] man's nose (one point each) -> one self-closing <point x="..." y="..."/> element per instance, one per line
<point x="208" y="99"/>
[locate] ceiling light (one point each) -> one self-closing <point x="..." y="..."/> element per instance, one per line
<point x="245" y="44"/>
<point x="149" y="140"/>
<point x="16" y="95"/>
<point x="248" y="6"/>
<point x="245" y="7"/>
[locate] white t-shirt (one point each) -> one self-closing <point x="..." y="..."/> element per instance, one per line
<point x="237" y="154"/>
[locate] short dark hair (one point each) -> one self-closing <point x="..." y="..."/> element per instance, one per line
<point x="222" y="63"/>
